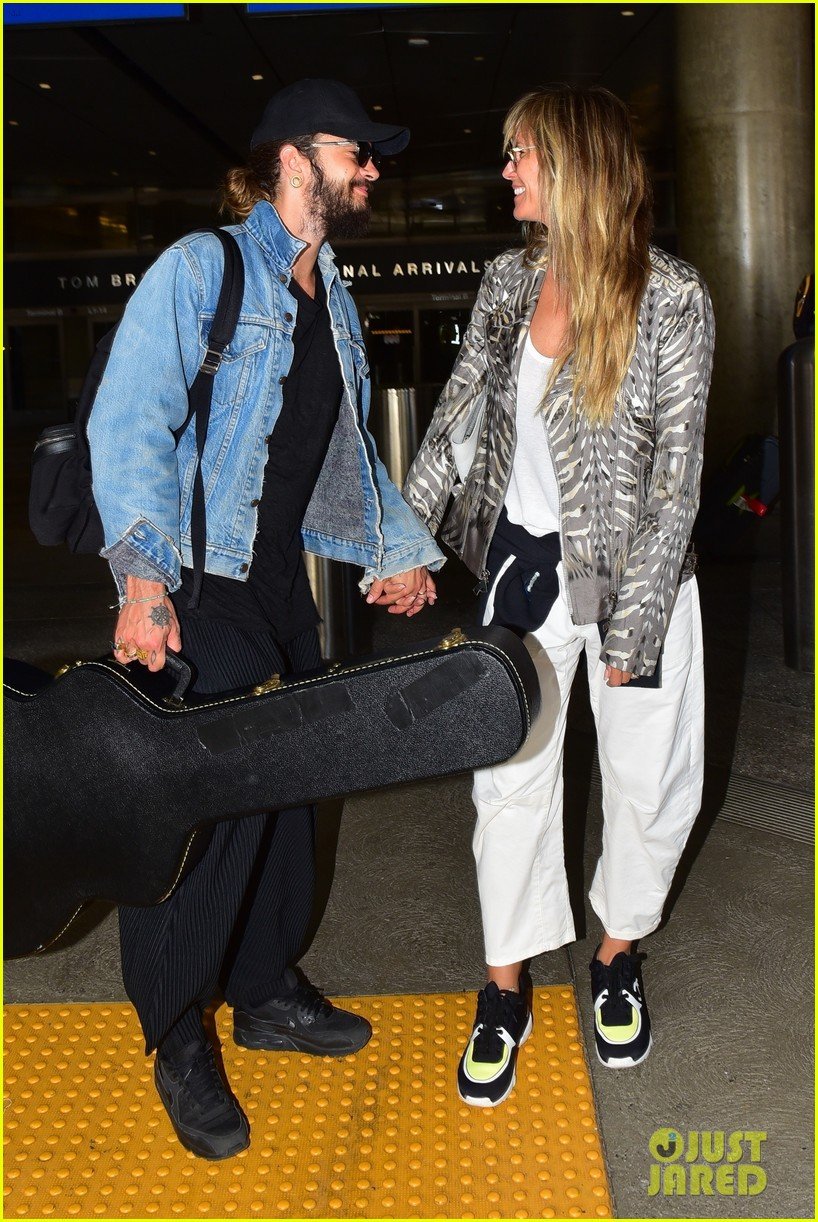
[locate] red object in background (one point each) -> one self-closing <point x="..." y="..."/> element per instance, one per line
<point x="757" y="507"/>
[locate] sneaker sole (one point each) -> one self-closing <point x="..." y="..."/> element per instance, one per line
<point x="496" y="1102"/>
<point x="279" y="1042"/>
<point x="625" y="1062"/>
<point x="189" y="1142"/>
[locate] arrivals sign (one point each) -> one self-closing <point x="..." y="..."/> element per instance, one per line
<point x="374" y="269"/>
<point x="416" y="269"/>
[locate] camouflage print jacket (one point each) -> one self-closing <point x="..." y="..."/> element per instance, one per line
<point x="629" y="491"/>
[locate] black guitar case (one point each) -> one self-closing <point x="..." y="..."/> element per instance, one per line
<point x="109" y="771"/>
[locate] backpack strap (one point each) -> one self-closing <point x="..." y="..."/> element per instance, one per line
<point x="222" y="330"/>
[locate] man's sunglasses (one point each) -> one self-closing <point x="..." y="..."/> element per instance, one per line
<point x="365" y="151"/>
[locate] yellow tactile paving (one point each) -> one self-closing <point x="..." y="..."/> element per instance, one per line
<point x="378" y="1135"/>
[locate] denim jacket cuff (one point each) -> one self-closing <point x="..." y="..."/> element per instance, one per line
<point x="426" y="557"/>
<point x="144" y="551"/>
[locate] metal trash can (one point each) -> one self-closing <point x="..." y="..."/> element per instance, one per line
<point x="346" y="627"/>
<point x="395" y="425"/>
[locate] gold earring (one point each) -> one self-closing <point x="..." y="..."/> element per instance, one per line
<point x="296" y="180"/>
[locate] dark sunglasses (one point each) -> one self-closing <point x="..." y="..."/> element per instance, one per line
<point x="368" y="152"/>
<point x="365" y="151"/>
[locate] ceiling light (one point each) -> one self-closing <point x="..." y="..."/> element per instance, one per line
<point x="44" y="85"/>
<point x="13" y="123"/>
<point x="418" y="42"/>
<point x="466" y="131"/>
<point x="256" y="77"/>
<point x="377" y="108"/>
<point x="151" y="152"/>
<point x="628" y="12"/>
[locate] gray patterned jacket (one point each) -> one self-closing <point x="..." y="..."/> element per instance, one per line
<point x="629" y="491"/>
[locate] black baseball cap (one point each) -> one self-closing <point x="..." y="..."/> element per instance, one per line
<point x="324" y="106"/>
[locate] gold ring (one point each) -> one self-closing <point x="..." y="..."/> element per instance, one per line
<point x="130" y="654"/>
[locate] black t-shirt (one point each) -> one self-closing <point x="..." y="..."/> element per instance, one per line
<point x="276" y="596"/>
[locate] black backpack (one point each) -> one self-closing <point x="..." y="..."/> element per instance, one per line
<point x="61" y="506"/>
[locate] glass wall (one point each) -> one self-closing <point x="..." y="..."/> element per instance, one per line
<point x="149" y="219"/>
<point x="390" y="342"/>
<point x="441" y="334"/>
<point x="45" y="359"/>
<point x="142" y="220"/>
<point x="34" y="370"/>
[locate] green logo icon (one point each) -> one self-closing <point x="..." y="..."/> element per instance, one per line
<point x="666" y="1145"/>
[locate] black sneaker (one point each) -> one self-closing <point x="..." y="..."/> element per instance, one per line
<point x="621" y="1019"/>
<point x="206" y="1117"/>
<point x="301" y="1021"/>
<point x="487" y="1069"/>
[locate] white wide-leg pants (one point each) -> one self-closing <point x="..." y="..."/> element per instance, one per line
<point x="650" y="743"/>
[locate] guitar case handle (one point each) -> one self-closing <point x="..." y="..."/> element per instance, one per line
<point x="180" y="669"/>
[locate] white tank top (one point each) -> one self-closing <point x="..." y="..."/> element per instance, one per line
<point x="533" y="498"/>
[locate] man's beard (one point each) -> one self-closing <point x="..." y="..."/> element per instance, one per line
<point x="339" y="212"/>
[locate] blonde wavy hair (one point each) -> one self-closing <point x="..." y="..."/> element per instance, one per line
<point x="595" y="192"/>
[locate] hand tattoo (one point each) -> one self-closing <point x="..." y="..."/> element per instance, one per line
<point x="160" y="616"/>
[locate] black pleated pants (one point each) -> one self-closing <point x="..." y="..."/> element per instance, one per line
<point x="240" y="916"/>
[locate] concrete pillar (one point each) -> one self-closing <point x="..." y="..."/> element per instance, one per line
<point x="745" y="192"/>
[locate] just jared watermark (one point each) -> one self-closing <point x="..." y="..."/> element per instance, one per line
<point x="706" y="1162"/>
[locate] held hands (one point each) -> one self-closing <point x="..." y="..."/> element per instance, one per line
<point x="147" y="623"/>
<point x="617" y="678"/>
<point x="405" y="593"/>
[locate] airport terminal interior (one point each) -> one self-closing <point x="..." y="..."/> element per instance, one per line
<point x="120" y="120"/>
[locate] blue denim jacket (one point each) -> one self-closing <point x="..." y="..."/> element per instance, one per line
<point x="143" y="482"/>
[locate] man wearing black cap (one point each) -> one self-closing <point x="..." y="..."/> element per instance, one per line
<point x="287" y="464"/>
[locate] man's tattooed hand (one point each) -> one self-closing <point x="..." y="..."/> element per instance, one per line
<point x="160" y="616"/>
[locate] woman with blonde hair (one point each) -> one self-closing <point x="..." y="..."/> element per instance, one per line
<point x="570" y="434"/>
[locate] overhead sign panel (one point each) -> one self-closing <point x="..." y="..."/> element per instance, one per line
<point x="425" y="268"/>
<point x="97" y="14"/>
<point x="106" y="14"/>
<point x="259" y="10"/>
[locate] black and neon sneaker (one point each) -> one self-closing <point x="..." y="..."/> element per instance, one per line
<point x="621" y="1019"/>
<point x="487" y="1069"/>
